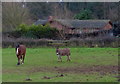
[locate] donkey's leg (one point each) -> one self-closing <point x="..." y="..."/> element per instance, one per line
<point x="59" y="58"/>
<point x="68" y="58"/>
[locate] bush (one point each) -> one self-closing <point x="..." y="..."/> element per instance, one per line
<point x="37" y="31"/>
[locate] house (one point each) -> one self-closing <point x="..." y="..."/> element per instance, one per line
<point x="79" y="27"/>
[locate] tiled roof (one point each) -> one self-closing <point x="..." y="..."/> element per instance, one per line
<point x="78" y="23"/>
<point x="42" y="22"/>
<point x="84" y="23"/>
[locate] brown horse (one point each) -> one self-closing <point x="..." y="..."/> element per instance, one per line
<point x="63" y="52"/>
<point x="20" y="52"/>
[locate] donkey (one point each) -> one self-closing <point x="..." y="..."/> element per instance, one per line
<point x="20" y="53"/>
<point x="63" y="52"/>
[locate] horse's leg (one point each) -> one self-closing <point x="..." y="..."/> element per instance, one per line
<point x="18" y="60"/>
<point x="23" y="59"/>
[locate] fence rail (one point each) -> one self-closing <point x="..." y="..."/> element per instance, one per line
<point x="98" y="42"/>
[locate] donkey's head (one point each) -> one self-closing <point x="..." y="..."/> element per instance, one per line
<point x="57" y="49"/>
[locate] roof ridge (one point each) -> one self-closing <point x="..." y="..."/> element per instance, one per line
<point x="85" y="20"/>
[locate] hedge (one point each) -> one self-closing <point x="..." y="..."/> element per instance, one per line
<point x="33" y="31"/>
<point x="106" y="42"/>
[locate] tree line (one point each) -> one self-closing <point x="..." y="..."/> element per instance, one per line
<point x="14" y="13"/>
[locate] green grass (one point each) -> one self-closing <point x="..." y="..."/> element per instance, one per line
<point x="40" y="62"/>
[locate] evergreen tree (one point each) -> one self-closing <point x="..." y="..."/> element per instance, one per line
<point x="84" y="15"/>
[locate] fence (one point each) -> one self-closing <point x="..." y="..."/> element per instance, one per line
<point x="96" y="42"/>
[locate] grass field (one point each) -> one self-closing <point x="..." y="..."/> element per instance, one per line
<point x="41" y="65"/>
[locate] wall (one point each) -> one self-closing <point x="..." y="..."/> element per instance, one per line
<point x="59" y="26"/>
<point x="107" y="27"/>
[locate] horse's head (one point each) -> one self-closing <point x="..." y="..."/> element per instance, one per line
<point x="17" y="48"/>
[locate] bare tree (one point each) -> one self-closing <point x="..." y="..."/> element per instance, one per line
<point x="67" y="13"/>
<point x="113" y="14"/>
<point x="61" y="11"/>
<point x="14" y="14"/>
<point x="57" y="12"/>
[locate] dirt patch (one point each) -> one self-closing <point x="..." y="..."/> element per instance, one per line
<point x="101" y="69"/>
<point x="46" y="77"/>
<point x="28" y="79"/>
<point x="13" y="70"/>
<point x="79" y="69"/>
<point x="41" y="69"/>
<point x="89" y="69"/>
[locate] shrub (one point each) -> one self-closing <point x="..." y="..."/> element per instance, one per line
<point x="37" y="31"/>
<point x="23" y="28"/>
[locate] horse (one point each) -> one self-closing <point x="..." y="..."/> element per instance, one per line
<point x="63" y="52"/>
<point x="20" y="53"/>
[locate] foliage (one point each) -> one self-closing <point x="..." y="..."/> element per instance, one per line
<point x="37" y="31"/>
<point x="83" y="15"/>
<point x="101" y="10"/>
<point x="39" y="9"/>
<point x="13" y="15"/>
